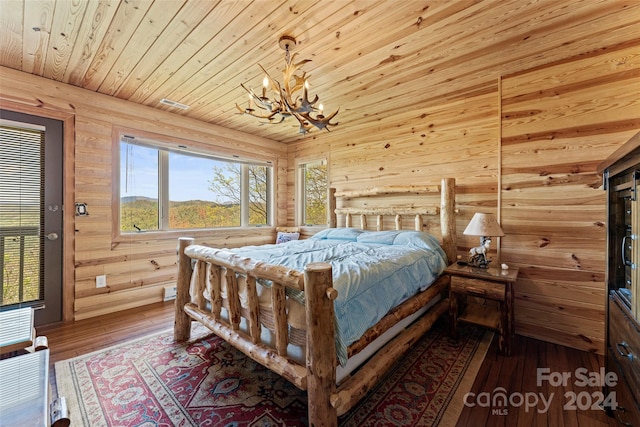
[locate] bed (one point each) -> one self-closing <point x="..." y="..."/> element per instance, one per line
<point x="296" y="308"/>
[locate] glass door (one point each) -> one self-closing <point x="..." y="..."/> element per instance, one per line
<point x="31" y="215"/>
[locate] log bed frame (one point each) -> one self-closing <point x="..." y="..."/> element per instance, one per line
<point x="326" y="399"/>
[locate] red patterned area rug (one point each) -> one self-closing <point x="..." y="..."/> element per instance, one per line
<point x="156" y="382"/>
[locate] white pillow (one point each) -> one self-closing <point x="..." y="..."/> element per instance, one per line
<point x="285" y="237"/>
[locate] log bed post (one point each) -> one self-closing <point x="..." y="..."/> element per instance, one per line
<point x="321" y="347"/>
<point x="448" y="218"/>
<point x="182" y="321"/>
<point x="332" y="219"/>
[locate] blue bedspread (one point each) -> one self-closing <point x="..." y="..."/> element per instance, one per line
<point x="372" y="271"/>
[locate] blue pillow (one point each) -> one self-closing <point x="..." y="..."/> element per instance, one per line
<point x="349" y="234"/>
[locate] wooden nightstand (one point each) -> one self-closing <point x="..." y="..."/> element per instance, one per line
<point x="490" y="284"/>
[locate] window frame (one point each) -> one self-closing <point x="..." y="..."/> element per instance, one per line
<point x="166" y="144"/>
<point x="301" y="193"/>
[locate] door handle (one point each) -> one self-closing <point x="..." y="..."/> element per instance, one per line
<point x="52" y="236"/>
<point x="626" y="353"/>
<point x="626" y="261"/>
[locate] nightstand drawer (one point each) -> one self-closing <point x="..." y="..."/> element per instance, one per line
<point x="478" y="288"/>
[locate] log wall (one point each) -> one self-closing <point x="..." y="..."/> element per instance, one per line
<point x="558" y="123"/>
<point x="136" y="269"/>
<point x="525" y="147"/>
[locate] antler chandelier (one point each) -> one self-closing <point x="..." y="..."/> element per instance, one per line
<point x="284" y="100"/>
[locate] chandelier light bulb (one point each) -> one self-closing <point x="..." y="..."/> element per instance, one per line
<point x="286" y="101"/>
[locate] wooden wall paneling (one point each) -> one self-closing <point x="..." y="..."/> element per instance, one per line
<point x="577" y="258"/>
<point x="548" y="139"/>
<point x="421" y="148"/>
<point x="558" y="335"/>
<point x="575" y="320"/>
<point x="544" y="286"/>
<point x="137" y="267"/>
<point x="424" y="120"/>
<point x="561" y="242"/>
<point x="458" y="139"/>
<point x="558" y="122"/>
<point x="97" y="305"/>
<point x="573" y="308"/>
<point x="42" y="93"/>
<point x="619" y="64"/>
<point x="121" y="276"/>
<point x="605" y="100"/>
<point x="454" y="140"/>
<point x="418" y="101"/>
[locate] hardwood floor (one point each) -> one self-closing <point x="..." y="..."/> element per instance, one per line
<point x="517" y="374"/>
<point x="84" y="336"/>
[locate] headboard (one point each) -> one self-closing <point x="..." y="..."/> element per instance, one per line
<point x="423" y="203"/>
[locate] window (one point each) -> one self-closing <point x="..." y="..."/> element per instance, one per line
<point x="21" y="221"/>
<point x="312" y="179"/>
<point x="162" y="188"/>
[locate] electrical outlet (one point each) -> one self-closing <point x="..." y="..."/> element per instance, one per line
<point x="101" y="281"/>
<point x="169" y="292"/>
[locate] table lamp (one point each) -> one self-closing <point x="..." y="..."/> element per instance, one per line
<point x="486" y="226"/>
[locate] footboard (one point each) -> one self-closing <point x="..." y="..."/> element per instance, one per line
<point x="239" y="298"/>
<point x="221" y="273"/>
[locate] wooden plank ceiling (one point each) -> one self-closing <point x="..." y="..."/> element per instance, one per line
<point x="371" y="59"/>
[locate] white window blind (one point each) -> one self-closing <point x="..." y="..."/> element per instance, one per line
<point x="21" y="222"/>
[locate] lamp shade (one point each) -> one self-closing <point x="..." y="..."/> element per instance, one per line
<point x="483" y="224"/>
